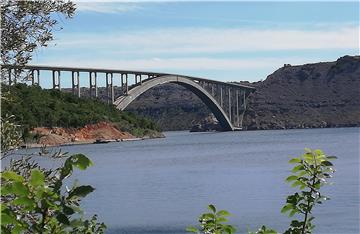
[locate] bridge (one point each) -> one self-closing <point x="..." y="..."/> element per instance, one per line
<point x="227" y="101"/>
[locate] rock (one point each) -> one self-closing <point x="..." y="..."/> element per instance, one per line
<point x="210" y="123"/>
<point x="89" y="133"/>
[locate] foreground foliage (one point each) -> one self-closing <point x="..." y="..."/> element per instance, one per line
<point x="213" y="222"/>
<point x="27" y="25"/>
<point x="311" y="171"/>
<point x="36" y="107"/>
<point x="34" y="199"/>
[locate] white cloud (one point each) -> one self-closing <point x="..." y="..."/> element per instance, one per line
<point x="205" y="40"/>
<point x="106" y="7"/>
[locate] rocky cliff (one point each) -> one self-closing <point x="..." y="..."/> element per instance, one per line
<point x="308" y="96"/>
<point x="315" y="95"/>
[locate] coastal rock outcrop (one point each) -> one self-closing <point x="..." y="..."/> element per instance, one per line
<point x="88" y="134"/>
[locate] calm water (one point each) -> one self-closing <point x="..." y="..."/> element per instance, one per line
<point x="162" y="185"/>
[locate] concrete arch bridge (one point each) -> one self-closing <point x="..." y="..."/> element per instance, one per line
<point x="227" y="101"/>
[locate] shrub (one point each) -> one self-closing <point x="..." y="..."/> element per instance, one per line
<point x="34" y="199"/>
<point x="311" y="171"/>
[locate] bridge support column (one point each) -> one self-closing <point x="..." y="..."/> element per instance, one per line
<point x="124" y="82"/>
<point x="93" y="86"/>
<point x="35" y="77"/>
<point x="237" y="109"/>
<point x="230" y="104"/>
<point x="56" y="79"/>
<point x="244" y="100"/>
<point x="221" y="96"/>
<point x="127" y="84"/>
<point x="109" y="88"/>
<point x="243" y="108"/>
<point x="75" y="80"/>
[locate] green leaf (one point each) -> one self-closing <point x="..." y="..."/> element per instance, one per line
<point x="7" y="219"/>
<point x="208" y="216"/>
<point x="309" y="157"/>
<point x="286" y="208"/>
<point x="77" y="160"/>
<point x="81" y="161"/>
<point x="298" y="183"/>
<point x="295" y="160"/>
<point x="298" y="168"/>
<point x="192" y="229"/>
<point x="63" y="219"/>
<point x="212" y="208"/>
<point x="19" y="189"/>
<point x="18" y="229"/>
<point x="223" y="213"/>
<point x="24" y="201"/>
<point x="222" y="220"/>
<point x="291" y="178"/>
<point x="293" y="212"/>
<point x="229" y="229"/>
<point x="68" y="210"/>
<point x="331" y="157"/>
<point x="37" y="178"/>
<point x="326" y="163"/>
<point x="307" y="150"/>
<point x="318" y="152"/>
<point x="81" y="191"/>
<point x="12" y="176"/>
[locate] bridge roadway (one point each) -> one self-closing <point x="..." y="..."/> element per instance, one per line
<point x="227" y="101"/>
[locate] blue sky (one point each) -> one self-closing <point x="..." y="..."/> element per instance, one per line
<point x="227" y="41"/>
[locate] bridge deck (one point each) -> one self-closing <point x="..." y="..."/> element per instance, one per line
<point x="118" y="71"/>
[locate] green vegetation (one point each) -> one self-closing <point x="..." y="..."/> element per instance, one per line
<point x="213" y="222"/>
<point x="36" y="107"/>
<point x="34" y="199"/>
<point x="311" y="171"/>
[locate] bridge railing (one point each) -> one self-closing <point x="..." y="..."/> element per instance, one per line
<point x="32" y="74"/>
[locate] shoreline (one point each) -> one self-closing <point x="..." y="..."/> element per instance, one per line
<point x="89" y="142"/>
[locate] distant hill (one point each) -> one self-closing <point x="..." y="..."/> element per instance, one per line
<point x="308" y="96"/>
<point x="315" y="95"/>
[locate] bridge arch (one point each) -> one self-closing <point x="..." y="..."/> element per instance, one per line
<point x="123" y="101"/>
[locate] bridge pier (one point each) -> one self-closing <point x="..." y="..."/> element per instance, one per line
<point x="124" y="83"/>
<point x="237" y="109"/>
<point x="93" y="84"/>
<point x="221" y="97"/>
<point x="75" y="81"/>
<point x="229" y="90"/>
<point x="109" y="88"/>
<point x="35" y="79"/>
<point x="56" y="79"/>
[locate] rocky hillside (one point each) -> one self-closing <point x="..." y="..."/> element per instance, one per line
<point x="307" y="96"/>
